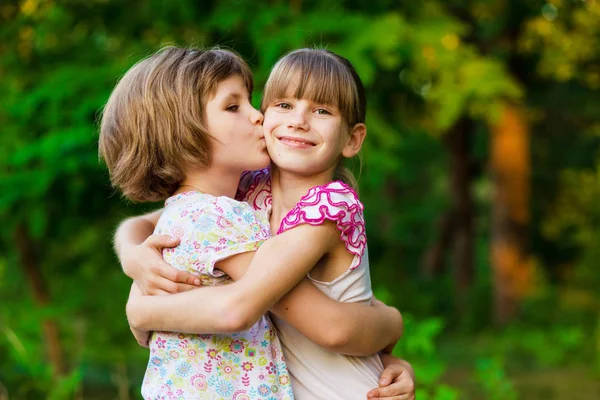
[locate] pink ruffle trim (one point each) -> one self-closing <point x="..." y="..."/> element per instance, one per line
<point x="336" y="202"/>
<point x="255" y="188"/>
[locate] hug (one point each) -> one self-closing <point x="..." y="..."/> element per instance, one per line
<point x="252" y="282"/>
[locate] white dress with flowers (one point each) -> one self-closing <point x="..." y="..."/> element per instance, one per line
<point x="241" y="366"/>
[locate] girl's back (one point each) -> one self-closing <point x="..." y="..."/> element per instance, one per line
<point x="244" y="365"/>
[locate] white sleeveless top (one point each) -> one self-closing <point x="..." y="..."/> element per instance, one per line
<point x="317" y="373"/>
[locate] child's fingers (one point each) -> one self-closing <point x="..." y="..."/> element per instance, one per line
<point x="158" y="292"/>
<point x="162" y="241"/>
<point x="390" y="392"/>
<point x="401" y="388"/>
<point x="401" y="397"/>
<point x="144" y="341"/>
<point x="166" y="285"/>
<point x="142" y="337"/>
<point x="390" y="373"/>
<point x="184" y="287"/>
<point x="178" y="276"/>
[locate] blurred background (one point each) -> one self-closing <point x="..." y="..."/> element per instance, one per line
<point x="481" y="182"/>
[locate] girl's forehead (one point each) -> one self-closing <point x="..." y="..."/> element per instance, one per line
<point x="294" y="92"/>
<point x="319" y="86"/>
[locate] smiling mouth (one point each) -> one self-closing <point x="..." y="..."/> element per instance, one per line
<point x="296" y="142"/>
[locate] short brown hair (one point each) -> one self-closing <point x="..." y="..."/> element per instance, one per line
<point x="324" y="77"/>
<point x="152" y="126"/>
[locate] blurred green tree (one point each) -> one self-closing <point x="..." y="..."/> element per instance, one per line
<point x="475" y="107"/>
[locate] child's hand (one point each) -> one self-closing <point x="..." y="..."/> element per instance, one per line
<point x="144" y="264"/>
<point x="396" y="382"/>
<point x="142" y="337"/>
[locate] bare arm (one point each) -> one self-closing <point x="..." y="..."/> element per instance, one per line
<point x="396" y="380"/>
<point x="346" y="328"/>
<point x="277" y="267"/>
<point x="133" y="231"/>
<point x="280" y="264"/>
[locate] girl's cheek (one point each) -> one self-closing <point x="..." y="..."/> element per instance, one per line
<point x="267" y="127"/>
<point x="269" y="120"/>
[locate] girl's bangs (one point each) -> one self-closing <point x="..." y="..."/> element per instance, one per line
<point x="315" y="77"/>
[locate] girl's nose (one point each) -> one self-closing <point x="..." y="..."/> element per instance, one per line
<point x="257" y="117"/>
<point x="298" y="120"/>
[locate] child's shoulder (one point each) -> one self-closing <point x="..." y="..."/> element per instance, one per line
<point x="199" y="207"/>
<point x="211" y="228"/>
<point x="337" y="202"/>
<point x="336" y="194"/>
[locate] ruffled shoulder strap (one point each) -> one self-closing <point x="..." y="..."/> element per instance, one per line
<point x="255" y="189"/>
<point x="336" y="202"/>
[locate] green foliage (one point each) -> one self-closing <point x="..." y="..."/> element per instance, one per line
<point x="419" y="346"/>
<point x="493" y="381"/>
<point x="67" y="387"/>
<point x="426" y="65"/>
<point x="544" y="348"/>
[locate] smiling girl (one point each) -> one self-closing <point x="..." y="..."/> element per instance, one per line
<point x="314" y="118"/>
<point x="179" y="126"/>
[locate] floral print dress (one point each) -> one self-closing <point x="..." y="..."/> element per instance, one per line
<point x="242" y="366"/>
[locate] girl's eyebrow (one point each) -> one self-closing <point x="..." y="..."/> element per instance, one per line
<point x="236" y="96"/>
<point x="233" y="96"/>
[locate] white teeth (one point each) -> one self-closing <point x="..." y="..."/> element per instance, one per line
<point x="297" y="141"/>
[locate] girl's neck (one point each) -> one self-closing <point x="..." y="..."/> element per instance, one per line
<point x="211" y="181"/>
<point x="288" y="188"/>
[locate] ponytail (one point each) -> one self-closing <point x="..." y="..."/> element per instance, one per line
<point x="345" y="175"/>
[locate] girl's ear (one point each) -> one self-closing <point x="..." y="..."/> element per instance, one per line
<point x="355" y="141"/>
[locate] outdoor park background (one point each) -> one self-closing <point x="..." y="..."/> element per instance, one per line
<point x="481" y="182"/>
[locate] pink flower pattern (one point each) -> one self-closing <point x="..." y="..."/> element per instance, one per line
<point x="209" y="366"/>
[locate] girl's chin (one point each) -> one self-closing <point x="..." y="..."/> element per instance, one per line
<point x="295" y="169"/>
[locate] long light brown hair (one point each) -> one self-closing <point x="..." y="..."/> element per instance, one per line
<point x="152" y="126"/>
<point x="324" y="77"/>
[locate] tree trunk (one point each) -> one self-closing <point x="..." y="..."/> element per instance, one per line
<point x="433" y="264"/>
<point x="458" y="142"/>
<point x="30" y="263"/>
<point x="510" y="165"/>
